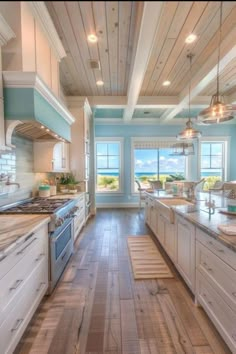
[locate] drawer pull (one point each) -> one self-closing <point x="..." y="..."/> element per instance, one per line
<point x="17" y="283"/>
<point x="39" y="257"/>
<point x="234" y="293"/>
<point x="234" y="337"/>
<point x="17" y="325"/>
<point x="209" y="302"/>
<point x="216" y="249"/>
<point x="23" y="249"/>
<point x="40" y="286"/>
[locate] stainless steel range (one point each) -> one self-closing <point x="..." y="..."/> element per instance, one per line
<point x="61" y="212"/>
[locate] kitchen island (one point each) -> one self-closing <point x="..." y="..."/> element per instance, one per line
<point x="204" y="256"/>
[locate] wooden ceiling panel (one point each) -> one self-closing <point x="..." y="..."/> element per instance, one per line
<point x="205" y="46"/>
<point x="227" y="80"/>
<point x="113" y="23"/>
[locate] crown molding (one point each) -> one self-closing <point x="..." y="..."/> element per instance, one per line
<point x="41" y="14"/>
<point x="19" y="79"/>
<point x="6" y="33"/>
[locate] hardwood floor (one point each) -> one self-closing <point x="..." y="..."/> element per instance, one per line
<point x="98" y="307"/>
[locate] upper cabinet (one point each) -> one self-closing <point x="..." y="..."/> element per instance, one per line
<point x="51" y="157"/>
<point x="36" y="47"/>
<point x="80" y="139"/>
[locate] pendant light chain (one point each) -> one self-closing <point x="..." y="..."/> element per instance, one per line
<point x="190" y="55"/>
<point x="218" y="63"/>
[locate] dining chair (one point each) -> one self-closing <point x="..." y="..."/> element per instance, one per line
<point x="155" y="185"/>
<point x="141" y="193"/>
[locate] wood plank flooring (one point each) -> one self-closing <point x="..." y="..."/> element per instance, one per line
<point x="98" y="307"/>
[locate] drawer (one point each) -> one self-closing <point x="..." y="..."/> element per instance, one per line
<point x="220" y="313"/>
<point x="12" y="283"/>
<point x="28" y="300"/>
<point x="19" y="252"/>
<point x="224" y="253"/>
<point x="218" y="273"/>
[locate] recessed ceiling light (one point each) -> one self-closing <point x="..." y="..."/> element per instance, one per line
<point x="100" y="83"/>
<point x="42" y="127"/>
<point x="191" y="38"/>
<point x="92" y="38"/>
<point x="166" y="83"/>
<point x="47" y="130"/>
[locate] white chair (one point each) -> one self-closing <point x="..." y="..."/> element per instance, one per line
<point x="141" y="193"/>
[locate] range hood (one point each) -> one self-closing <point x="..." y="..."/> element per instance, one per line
<point x="32" y="110"/>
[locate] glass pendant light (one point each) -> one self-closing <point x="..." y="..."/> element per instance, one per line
<point x="218" y="111"/>
<point x="189" y="133"/>
<point x="182" y="149"/>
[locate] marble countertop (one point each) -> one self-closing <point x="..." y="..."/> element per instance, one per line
<point x="14" y="230"/>
<point x="209" y="223"/>
<point x="198" y="214"/>
<point x="67" y="195"/>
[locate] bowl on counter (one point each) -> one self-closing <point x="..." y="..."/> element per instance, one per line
<point x="64" y="190"/>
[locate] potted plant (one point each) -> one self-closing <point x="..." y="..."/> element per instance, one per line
<point x="68" y="182"/>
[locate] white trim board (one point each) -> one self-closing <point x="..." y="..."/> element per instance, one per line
<point x="41" y="14"/>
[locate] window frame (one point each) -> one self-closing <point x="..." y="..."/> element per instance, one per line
<point x="107" y="140"/>
<point x="226" y="156"/>
<point x="151" y="139"/>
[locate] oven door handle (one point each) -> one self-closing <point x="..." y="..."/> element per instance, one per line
<point x="54" y="239"/>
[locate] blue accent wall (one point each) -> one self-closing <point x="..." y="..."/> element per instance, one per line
<point x="129" y="131"/>
<point x="28" y="104"/>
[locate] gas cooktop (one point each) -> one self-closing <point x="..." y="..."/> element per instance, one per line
<point x="35" y="206"/>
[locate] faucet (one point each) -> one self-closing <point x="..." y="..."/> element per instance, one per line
<point x="8" y="183"/>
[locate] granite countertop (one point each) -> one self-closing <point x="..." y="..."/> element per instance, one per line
<point x="209" y="223"/>
<point x="15" y="229"/>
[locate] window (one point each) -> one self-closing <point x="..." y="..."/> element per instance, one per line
<point x="213" y="161"/>
<point x="153" y="161"/>
<point x="108" y="166"/>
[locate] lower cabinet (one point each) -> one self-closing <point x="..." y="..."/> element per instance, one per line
<point x="216" y="285"/>
<point x="23" y="284"/>
<point x="185" y="250"/>
<point x="79" y="218"/>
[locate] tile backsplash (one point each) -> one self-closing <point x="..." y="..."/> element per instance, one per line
<point x="18" y="164"/>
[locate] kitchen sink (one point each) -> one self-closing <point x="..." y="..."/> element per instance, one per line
<point x="165" y="205"/>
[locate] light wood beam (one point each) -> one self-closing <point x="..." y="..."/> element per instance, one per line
<point x="148" y="30"/>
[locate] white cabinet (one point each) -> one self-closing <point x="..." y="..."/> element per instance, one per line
<point x="161" y="228"/>
<point x="51" y="156"/>
<point x="166" y="234"/>
<point x="79" y="219"/>
<point x="23" y="283"/>
<point x="216" y="284"/>
<point x="185" y="250"/>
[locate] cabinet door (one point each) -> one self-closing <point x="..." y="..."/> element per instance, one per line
<point x="153" y="217"/>
<point x="146" y="210"/>
<point x="161" y="228"/>
<point x="185" y="261"/>
<point x="60" y="157"/>
<point x="170" y="239"/>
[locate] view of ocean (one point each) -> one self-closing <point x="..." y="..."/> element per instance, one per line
<point x="140" y="174"/>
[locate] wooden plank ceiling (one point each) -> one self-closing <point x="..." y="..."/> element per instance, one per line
<point x="117" y="25"/>
<point x="113" y="22"/>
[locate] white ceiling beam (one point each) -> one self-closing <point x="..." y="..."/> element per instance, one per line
<point x="107" y="101"/>
<point x="143" y="101"/>
<point x="205" y="75"/>
<point x="147" y="33"/>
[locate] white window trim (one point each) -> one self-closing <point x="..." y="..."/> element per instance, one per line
<point x="105" y="140"/>
<point x="154" y="138"/>
<point x="217" y="139"/>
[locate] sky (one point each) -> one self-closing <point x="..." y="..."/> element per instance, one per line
<point x="146" y="161"/>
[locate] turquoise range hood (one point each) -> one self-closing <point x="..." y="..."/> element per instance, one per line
<point x="34" y="103"/>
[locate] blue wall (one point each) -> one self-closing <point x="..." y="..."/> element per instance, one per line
<point x="129" y="131"/>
